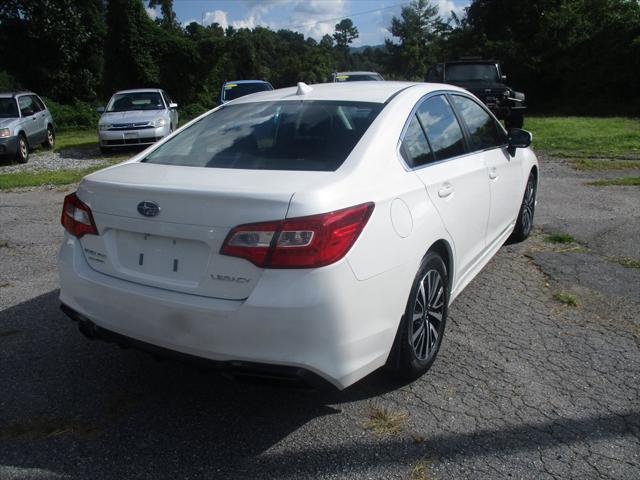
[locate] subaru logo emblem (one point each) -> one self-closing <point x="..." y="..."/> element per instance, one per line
<point x="148" y="209"/>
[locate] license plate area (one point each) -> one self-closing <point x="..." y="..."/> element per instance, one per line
<point x="161" y="258"/>
<point x="131" y="135"/>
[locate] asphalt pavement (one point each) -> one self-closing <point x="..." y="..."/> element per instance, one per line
<point x="524" y="386"/>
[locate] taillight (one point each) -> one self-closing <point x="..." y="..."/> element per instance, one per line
<point x="303" y="242"/>
<point x="76" y="217"/>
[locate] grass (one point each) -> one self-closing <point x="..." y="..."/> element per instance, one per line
<point x="585" y="137"/>
<point x="381" y="421"/>
<point x="560" y="237"/>
<point x="566" y="298"/>
<point x="627" y="262"/>
<point x="420" y="470"/>
<point x="76" y="139"/>
<point x="626" y="181"/>
<point x="584" y="164"/>
<point x="44" y="177"/>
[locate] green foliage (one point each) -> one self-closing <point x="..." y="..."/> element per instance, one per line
<point x="345" y="33"/>
<point x="566" y="298"/>
<point x="417" y="29"/>
<point x="54" y="47"/>
<point x="580" y="56"/>
<point x="560" y="237"/>
<point x="73" y="115"/>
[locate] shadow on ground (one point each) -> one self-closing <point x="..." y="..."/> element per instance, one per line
<point x="90" y="410"/>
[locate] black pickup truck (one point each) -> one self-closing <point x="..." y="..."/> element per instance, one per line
<point x="485" y="80"/>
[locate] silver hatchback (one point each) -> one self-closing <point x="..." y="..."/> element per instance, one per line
<point x="136" y="117"/>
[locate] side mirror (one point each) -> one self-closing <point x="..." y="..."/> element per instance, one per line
<point x="518" y="138"/>
<point x="173" y="106"/>
<point x="100" y="109"/>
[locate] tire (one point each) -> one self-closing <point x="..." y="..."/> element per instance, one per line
<point x="415" y="348"/>
<point x="105" y="150"/>
<point x="50" y="141"/>
<point x="524" y="222"/>
<point x="514" y="120"/>
<point x="22" y="152"/>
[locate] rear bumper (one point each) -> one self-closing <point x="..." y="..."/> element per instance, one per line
<point x="8" y="145"/>
<point x="322" y="321"/>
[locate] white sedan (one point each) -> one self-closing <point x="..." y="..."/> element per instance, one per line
<point x="317" y="231"/>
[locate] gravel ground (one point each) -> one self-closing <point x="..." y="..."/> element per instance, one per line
<point x="524" y="386"/>
<point x="65" y="159"/>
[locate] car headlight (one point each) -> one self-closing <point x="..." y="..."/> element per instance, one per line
<point x="158" y="122"/>
<point x="5" y="132"/>
<point x="104" y="126"/>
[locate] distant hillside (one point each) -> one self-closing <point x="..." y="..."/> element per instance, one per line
<point x="360" y="49"/>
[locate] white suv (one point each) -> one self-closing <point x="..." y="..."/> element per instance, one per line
<point x="323" y="230"/>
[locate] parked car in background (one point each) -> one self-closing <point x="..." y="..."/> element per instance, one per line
<point x="136" y="117"/>
<point x="25" y="121"/>
<point x="485" y="80"/>
<point x="318" y="231"/>
<point x="356" y="76"/>
<point x="239" y="88"/>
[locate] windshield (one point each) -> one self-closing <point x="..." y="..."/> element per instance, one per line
<point x="471" y="72"/>
<point x="8" y="108"/>
<point x="126" y="102"/>
<point x="358" y="78"/>
<point x="285" y="135"/>
<point x="231" y="91"/>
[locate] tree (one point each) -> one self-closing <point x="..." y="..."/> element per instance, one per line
<point x="418" y="30"/>
<point x="130" y="47"/>
<point x="169" y="19"/>
<point x="53" y="48"/>
<point x="345" y="33"/>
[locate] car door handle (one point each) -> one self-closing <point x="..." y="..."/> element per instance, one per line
<point x="446" y="190"/>
<point x="493" y="174"/>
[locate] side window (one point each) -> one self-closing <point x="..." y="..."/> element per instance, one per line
<point x="483" y="130"/>
<point x="27" y="107"/>
<point x="416" y="150"/>
<point x="38" y="103"/>
<point x="442" y="128"/>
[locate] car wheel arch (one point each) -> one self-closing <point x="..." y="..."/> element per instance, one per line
<point x="443" y="248"/>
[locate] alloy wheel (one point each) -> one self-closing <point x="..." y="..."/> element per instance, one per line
<point x="528" y="205"/>
<point x="428" y="310"/>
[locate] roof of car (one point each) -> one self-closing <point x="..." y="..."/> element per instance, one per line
<point x="368" y="91"/>
<point x="137" y="90"/>
<point x="13" y="94"/>
<point x="245" y="81"/>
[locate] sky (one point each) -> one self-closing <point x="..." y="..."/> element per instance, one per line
<point x="313" y="18"/>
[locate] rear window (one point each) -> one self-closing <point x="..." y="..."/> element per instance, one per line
<point x="290" y="135"/>
<point x="231" y="91"/>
